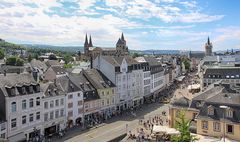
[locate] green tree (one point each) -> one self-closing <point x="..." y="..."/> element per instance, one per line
<point x="14" y="61"/>
<point x="11" y="61"/>
<point x="135" y="55"/>
<point x="19" y="62"/>
<point x="1" y="53"/>
<point x="183" y="125"/>
<point x="29" y="58"/>
<point x="186" y="62"/>
<point x="67" y="58"/>
<point x="67" y="65"/>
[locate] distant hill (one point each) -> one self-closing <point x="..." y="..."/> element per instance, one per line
<point x="56" y="48"/>
<point x="10" y="46"/>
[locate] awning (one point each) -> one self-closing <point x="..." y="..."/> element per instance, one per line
<point x="17" y="138"/>
<point x="194" y="87"/>
<point x="165" y="129"/>
<point x="180" y="78"/>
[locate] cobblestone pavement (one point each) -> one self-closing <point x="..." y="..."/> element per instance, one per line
<point x="115" y="126"/>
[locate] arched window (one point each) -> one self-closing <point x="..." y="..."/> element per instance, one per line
<point x="14" y="106"/>
<point x="31" y="103"/>
<point x="38" y="101"/>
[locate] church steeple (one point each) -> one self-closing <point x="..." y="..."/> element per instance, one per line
<point x="90" y="42"/>
<point x="86" y="41"/>
<point x="122" y="37"/>
<point x="208" y="41"/>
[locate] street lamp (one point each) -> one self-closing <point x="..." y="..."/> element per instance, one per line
<point x="224" y="107"/>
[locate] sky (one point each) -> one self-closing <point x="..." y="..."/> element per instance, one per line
<point x="146" y="24"/>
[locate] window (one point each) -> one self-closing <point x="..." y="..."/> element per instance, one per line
<point x="79" y="103"/>
<point x="24" y="104"/>
<point x="31" y="103"/>
<point x="210" y="110"/>
<point x="79" y="95"/>
<point x="70" y="113"/>
<point x="112" y="100"/>
<point x="102" y="93"/>
<point x="112" y="91"/>
<point x="14" y="106"/>
<point x="45" y="116"/>
<point x="3" y="135"/>
<point x="80" y="110"/>
<point x="62" y="101"/>
<point x="51" y="104"/>
<point x="30" y="89"/>
<point x="51" y="115"/>
<point x="46" y="105"/>
<point x="194" y="115"/>
<point x="70" y="105"/>
<point x="14" y="123"/>
<point x="62" y="112"/>
<point x="31" y="117"/>
<point x="204" y="125"/>
<point x="107" y="101"/>
<point x="37" y="115"/>
<point x="24" y="119"/>
<point x="216" y="126"/>
<point x="229" y="113"/>
<point x="230" y="129"/>
<point x="38" y="101"/>
<point x="102" y="102"/>
<point x="56" y="113"/>
<point x="70" y="96"/>
<point x="57" y="102"/>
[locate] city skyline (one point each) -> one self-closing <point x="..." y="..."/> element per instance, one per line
<point x="149" y="24"/>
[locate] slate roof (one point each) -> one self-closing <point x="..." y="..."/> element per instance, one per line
<point x="117" y="60"/>
<point x="181" y="102"/>
<point x="59" y="70"/>
<point x="66" y="84"/>
<point x="50" y="89"/>
<point x="223" y="71"/>
<point x="98" y="79"/>
<point x="215" y="97"/>
<point x="120" y="41"/>
<point x="13" y="80"/>
<point x="232" y="101"/>
<point x="11" y="69"/>
<point x="38" y="64"/>
<point x="50" y="63"/>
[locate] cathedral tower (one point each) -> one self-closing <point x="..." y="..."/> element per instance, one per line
<point x="208" y="48"/>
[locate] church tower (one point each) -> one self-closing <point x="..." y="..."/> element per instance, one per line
<point x="90" y="42"/>
<point x="208" y="48"/>
<point x="121" y="46"/>
<point x="86" y="47"/>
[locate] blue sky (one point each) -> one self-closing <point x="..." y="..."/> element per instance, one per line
<point x="146" y="24"/>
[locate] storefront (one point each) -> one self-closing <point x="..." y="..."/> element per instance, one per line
<point x="49" y="131"/>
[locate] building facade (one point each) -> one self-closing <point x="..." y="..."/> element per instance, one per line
<point x="54" y="115"/>
<point x="21" y="100"/>
<point x="127" y="75"/>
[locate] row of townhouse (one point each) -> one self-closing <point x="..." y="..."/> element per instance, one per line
<point x="137" y="80"/>
<point x="48" y="99"/>
<point x="30" y="109"/>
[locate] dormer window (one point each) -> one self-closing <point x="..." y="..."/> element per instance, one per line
<point x="37" y="88"/>
<point x="229" y="113"/>
<point x="31" y="89"/>
<point x="13" y="91"/>
<point x="210" y="110"/>
<point x="23" y="90"/>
